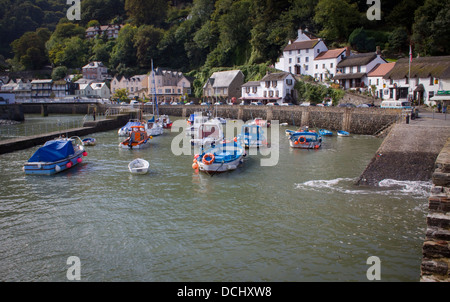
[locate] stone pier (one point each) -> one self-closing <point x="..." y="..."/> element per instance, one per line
<point x="436" y="248"/>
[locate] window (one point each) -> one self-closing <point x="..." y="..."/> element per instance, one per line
<point x="307" y="50"/>
<point x="331" y="65"/>
<point x="274" y="83"/>
<point x="247" y="89"/>
<point x="270" y="93"/>
<point x="298" y="60"/>
<point x="307" y="59"/>
<point x="317" y="66"/>
<point x="290" y="60"/>
<point x="254" y="89"/>
<point x="323" y="66"/>
<point x="306" y="67"/>
<point x="267" y="84"/>
<point x="431" y="81"/>
<point x="277" y="93"/>
<point x="265" y="93"/>
<point x="298" y="51"/>
<point x="289" y="81"/>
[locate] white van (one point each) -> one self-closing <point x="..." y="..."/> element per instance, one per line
<point x="396" y="104"/>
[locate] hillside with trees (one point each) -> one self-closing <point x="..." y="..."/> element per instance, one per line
<point x="198" y="36"/>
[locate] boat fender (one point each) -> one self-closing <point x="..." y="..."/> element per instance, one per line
<point x="208" y="155"/>
<point x="57" y="168"/>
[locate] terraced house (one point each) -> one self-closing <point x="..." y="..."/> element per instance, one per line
<point x="169" y="85"/>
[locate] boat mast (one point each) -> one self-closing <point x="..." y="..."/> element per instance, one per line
<point x="155" y="101"/>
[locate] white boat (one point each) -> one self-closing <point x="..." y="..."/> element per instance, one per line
<point x="343" y="133"/>
<point x="153" y="128"/>
<point x="138" y="166"/>
<point x="227" y="156"/>
<point x="137" y="139"/>
<point x="208" y="134"/>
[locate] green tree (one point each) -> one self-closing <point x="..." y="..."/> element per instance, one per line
<point x="337" y="18"/>
<point x="59" y="72"/>
<point x="431" y="28"/>
<point x="359" y="41"/>
<point x="121" y="95"/>
<point x="398" y="40"/>
<point x="146" y="42"/>
<point x="152" y="12"/>
<point x="29" y="50"/>
<point x="124" y="51"/>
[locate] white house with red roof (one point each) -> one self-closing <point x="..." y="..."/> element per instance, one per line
<point x="325" y="64"/>
<point x="298" y="56"/>
<point x="377" y="84"/>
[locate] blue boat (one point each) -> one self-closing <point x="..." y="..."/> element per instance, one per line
<point x="54" y="157"/>
<point x="252" y="136"/>
<point x="343" y="133"/>
<point x="126" y="130"/>
<point x="223" y="157"/>
<point x="325" y="132"/>
<point x="304" y="139"/>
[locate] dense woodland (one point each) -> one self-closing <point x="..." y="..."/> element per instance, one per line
<point x="198" y="36"/>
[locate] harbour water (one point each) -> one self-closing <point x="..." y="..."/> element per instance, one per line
<point x="300" y="220"/>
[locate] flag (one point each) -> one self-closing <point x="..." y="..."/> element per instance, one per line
<point x="410" y="54"/>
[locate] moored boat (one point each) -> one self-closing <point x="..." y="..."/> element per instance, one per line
<point x="165" y="121"/>
<point x="138" y="166"/>
<point x="55" y="156"/>
<point x="137" y="139"/>
<point x="227" y="156"/>
<point x="305" y="140"/>
<point x="90" y="141"/>
<point x="252" y="136"/>
<point x="325" y="132"/>
<point x="208" y="134"/>
<point x="125" y="130"/>
<point x="343" y="133"/>
<point x="260" y="122"/>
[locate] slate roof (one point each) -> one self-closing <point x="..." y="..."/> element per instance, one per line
<point x="302" y="45"/>
<point x="357" y="60"/>
<point x="424" y="67"/>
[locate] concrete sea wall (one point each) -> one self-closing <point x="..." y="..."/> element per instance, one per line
<point x="436" y="248"/>
<point x="409" y="152"/>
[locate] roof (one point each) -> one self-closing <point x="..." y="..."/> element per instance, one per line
<point x="357" y="60"/>
<point x="41" y="82"/>
<point x="223" y="78"/>
<point x="302" y="45"/>
<point x="251" y="84"/>
<point x="381" y="70"/>
<point x="424" y="67"/>
<point x="275" y="76"/>
<point x="330" y="54"/>
<point x="348" y="76"/>
<point x="94" y="64"/>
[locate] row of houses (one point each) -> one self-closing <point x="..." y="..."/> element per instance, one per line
<point x="47" y="89"/>
<point x="414" y="79"/>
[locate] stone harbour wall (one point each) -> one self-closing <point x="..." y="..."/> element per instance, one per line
<point x="436" y="248"/>
<point x="355" y="120"/>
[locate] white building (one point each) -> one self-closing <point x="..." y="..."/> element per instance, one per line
<point x="421" y="80"/>
<point x="273" y="87"/>
<point x="136" y="86"/>
<point x="377" y="84"/>
<point x="170" y="85"/>
<point x="298" y="56"/>
<point x="352" y="71"/>
<point x="325" y="64"/>
<point x="100" y="90"/>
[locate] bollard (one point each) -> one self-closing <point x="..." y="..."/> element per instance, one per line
<point x="407" y="118"/>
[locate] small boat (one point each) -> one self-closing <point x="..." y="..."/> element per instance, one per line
<point x="165" y="121"/>
<point x="90" y="141"/>
<point x="153" y="128"/>
<point x="343" y="133"/>
<point x="55" y="156"/>
<point x="305" y="140"/>
<point x="125" y="130"/>
<point x="138" y="139"/>
<point x="208" y="134"/>
<point x="252" y="136"/>
<point x="325" y="132"/>
<point x="260" y="122"/>
<point x="224" y="157"/>
<point x="138" y="166"/>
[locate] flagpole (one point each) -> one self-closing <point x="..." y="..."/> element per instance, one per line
<point x="409" y="74"/>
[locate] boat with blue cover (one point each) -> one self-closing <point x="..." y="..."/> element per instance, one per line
<point x="325" y="132"/>
<point x="304" y="139"/>
<point x="55" y="156"/>
<point x="126" y="130"/>
<point x="227" y="156"/>
<point x="252" y="136"/>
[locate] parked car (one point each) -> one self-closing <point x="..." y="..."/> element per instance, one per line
<point x="205" y="104"/>
<point x="165" y="103"/>
<point x="287" y="104"/>
<point x="218" y="103"/>
<point x="272" y="104"/>
<point x="190" y="103"/>
<point x="349" y="105"/>
<point x="256" y="103"/>
<point x="305" y="104"/>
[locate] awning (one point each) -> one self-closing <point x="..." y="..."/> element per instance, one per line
<point x="440" y="98"/>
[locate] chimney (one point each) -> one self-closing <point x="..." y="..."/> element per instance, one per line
<point x="378" y="50"/>
<point x="347" y="51"/>
<point x="300" y="32"/>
